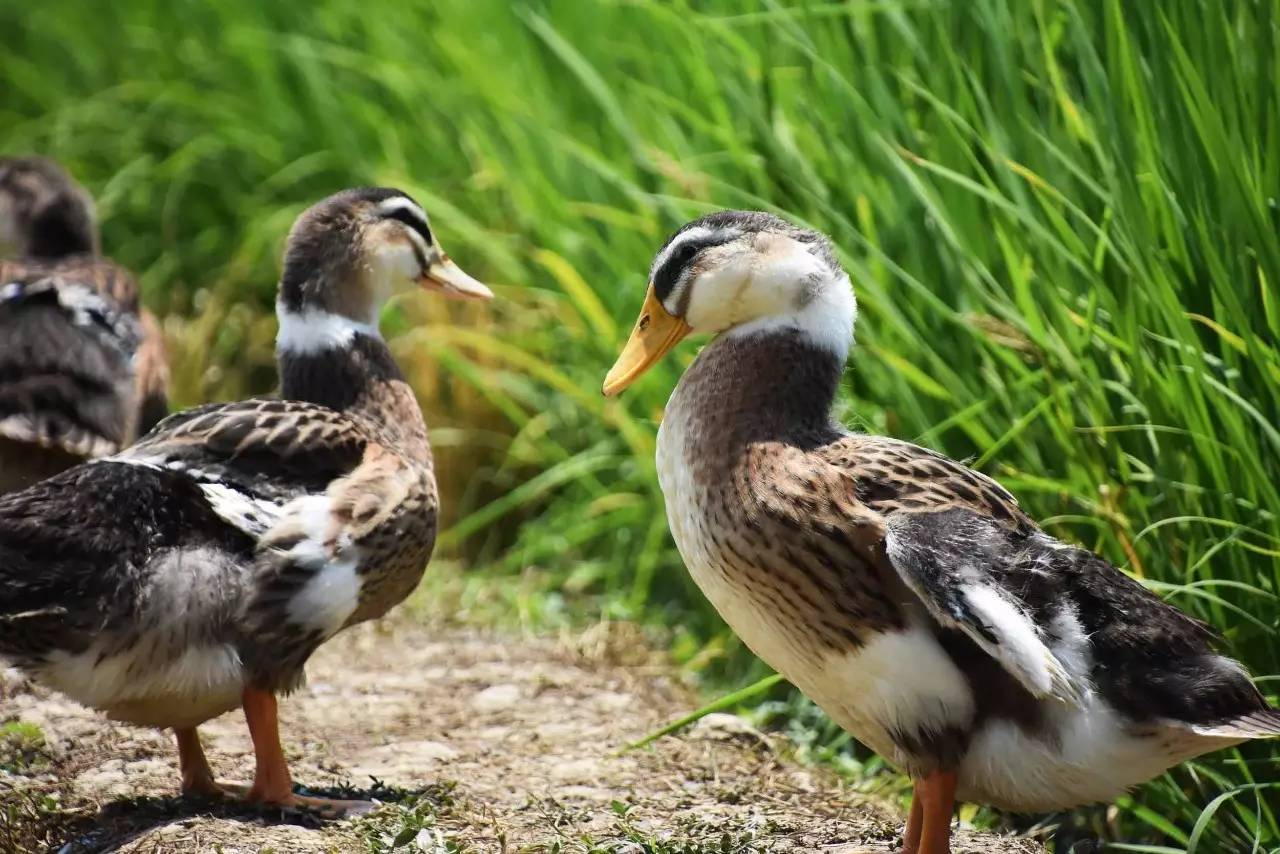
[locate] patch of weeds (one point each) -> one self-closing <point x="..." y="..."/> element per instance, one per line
<point x="691" y="836"/>
<point x="29" y="818"/>
<point x="557" y="816"/>
<point x="410" y="820"/>
<point x="30" y="811"/>
<point x="22" y="748"/>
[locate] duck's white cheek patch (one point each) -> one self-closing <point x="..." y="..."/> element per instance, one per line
<point x="393" y="264"/>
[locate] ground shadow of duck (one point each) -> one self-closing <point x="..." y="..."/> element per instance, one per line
<point x="118" y="823"/>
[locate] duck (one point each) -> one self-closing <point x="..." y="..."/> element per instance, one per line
<point x="83" y="367"/>
<point x="909" y="596"/>
<point x="197" y="570"/>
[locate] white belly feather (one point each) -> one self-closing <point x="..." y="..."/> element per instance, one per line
<point x="199" y="684"/>
<point x="167" y="671"/>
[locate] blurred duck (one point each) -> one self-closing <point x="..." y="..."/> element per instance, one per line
<point x="82" y="367"/>
<point x="198" y="570"/>
<point x="906" y="594"/>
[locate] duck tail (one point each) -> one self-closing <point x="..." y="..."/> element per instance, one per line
<point x="1264" y="723"/>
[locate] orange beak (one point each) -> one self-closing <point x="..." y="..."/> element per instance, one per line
<point x="655" y="333"/>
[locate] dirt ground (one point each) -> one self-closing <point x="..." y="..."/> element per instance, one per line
<point x="475" y="742"/>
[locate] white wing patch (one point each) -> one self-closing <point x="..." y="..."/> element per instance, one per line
<point x="1019" y="647"/>
<point x="960" y="593"/>
<point x="329" y="598"/>
<point x="247" y="513"/>
<point x="252" y="515"/>
<point x="332" y="594"/>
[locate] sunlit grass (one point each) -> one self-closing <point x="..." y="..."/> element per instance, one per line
<point x="1059" y="217"/>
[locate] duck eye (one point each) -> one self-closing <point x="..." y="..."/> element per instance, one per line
<point x="686" y="253"/>
<point x="412" y="222"/>
<point x="664" y="279"/>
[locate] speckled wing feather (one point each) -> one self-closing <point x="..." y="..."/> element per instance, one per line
<point x="890" y="475"/>
<point x="954" y="561"/>
<point x="69" y="334"/>
<point x="947" y="568"/>
<point x="269" y="449"/>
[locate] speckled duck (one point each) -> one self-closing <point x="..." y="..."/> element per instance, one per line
<point x="83" y="370"/>
<point x="199" y="569"/>
<point x="906" y="594"/>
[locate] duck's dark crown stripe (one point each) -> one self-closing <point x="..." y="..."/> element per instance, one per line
<point x="666" y="276"/>
<point x="411" y="219"/>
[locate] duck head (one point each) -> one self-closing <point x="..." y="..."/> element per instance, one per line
<point x="738" y="273"/>
<point x="350" y="253"/>
<point x="44" y="213"/>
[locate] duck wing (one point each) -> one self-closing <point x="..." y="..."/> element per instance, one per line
<point x="1062" y="620"/>
<point x="258" y="452"/>
<point x="69" y="333"/>
<point x="79" y="551"/>
<point x="962" y="568"/>
<point x="321" y="495"/>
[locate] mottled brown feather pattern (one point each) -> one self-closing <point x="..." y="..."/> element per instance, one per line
<point x="222" y="548"/>
<point x="798" y="504"/>
<point x="789" y="527"/>
<point x="373" y="462"/>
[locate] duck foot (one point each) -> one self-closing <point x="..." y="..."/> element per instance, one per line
<point x="272" y="785"/>
<point x="197" y="776"/>
<point x="329" y="808"/>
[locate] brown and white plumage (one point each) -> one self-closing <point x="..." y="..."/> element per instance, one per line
<point x="906" y="594"/>
<point x="82" y="365"/>
<point x="199" y="569"/>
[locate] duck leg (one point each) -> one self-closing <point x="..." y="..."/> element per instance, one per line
<point x="272" y="782"/>
<point x="915" y="824"/>
<point x="197" y="776"/>
<point x="929" y="825"/>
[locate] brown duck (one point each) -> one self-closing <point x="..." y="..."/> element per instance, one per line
<point x="906" y="594"/>
<point x="199" y="569"/>
<point x="83" y="371"/>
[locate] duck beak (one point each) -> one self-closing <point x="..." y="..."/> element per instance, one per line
<point x="447" y="279"/>
<point x="656" y="332"/>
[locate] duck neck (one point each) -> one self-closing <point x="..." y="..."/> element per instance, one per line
<point x="334" y="361"/>
<point x="774" y="378"/>
<point x="55" y="236"/>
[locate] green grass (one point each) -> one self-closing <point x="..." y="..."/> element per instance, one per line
<point x="1059" y="218"/>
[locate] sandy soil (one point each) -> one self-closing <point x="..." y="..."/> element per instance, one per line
<point x="477" y="743"/>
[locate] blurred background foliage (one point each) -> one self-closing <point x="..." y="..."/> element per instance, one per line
<point x="1059" y="216"/>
